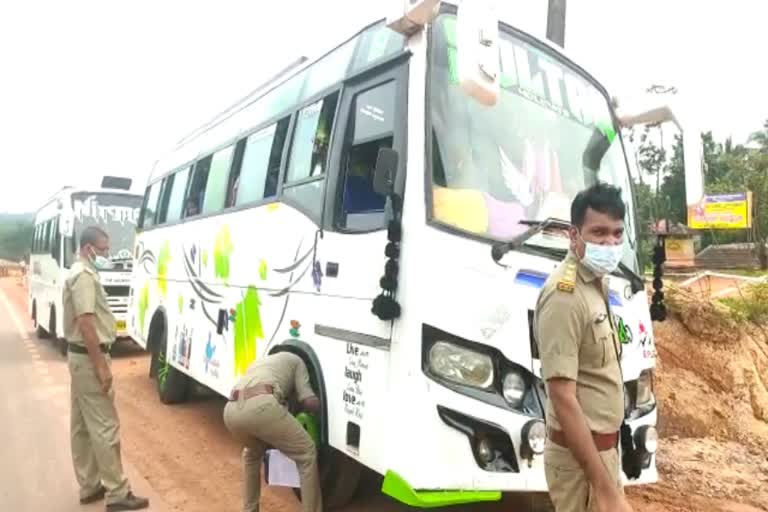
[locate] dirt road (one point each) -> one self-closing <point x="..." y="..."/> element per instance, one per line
<point x="35" y="467"/>
<point x="185" y="453"/>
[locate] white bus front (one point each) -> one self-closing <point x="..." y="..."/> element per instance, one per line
<point x="474" y="420"/>
<point x="117" y="214"/>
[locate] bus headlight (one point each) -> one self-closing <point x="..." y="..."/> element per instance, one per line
<point x="461" y="365"/>
<point x="513" y="388"/>
<point x="645" y="387"/>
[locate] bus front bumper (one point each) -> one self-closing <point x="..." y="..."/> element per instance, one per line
<point x="448" y="444"/>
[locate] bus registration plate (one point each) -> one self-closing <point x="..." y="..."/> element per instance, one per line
<point x="120" y="325"/>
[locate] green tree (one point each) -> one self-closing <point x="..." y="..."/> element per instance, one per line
<point x="15" y="236"/>
<point x="761" y="137"/>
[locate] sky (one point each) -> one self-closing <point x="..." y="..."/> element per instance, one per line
<point x="93" y="88"/>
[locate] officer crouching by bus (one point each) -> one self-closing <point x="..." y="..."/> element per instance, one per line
<point x="580" y="360"/>
<point x="257" y="416"/>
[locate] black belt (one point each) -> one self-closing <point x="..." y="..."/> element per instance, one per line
<point x="80" y="349"/>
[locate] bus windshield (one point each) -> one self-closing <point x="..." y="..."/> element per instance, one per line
<point x="117" y="214"/>
<point x="549" y="136"/>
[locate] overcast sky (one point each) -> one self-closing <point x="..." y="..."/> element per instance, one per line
<point x="89" y="88"/>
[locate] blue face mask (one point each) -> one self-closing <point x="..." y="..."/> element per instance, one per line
<point x="602" y="259"/>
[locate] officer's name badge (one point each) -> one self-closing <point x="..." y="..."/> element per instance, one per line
<point x="568" y="282"/>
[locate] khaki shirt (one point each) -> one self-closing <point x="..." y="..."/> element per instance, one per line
<point x="286" y="373"/>
<point x="577" y="341"/>
<point x="83" y="294"/>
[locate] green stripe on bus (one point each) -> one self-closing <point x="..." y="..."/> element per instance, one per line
<point x="395" y="486"/>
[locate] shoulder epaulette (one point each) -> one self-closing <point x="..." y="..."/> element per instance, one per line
<point x="568" y="282"/>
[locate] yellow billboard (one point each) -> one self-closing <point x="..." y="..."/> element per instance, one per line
<point x="724" y="211"/>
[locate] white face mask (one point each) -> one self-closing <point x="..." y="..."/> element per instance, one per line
<point x="602" y="259"/>
<point x="100" y="262"/>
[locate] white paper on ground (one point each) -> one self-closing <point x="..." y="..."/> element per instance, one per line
<point x="282" y="470"/>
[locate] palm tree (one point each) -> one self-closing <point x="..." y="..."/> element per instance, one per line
<point x="761" y="137"/>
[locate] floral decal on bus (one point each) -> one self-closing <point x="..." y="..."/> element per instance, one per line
<point x="162" y="268"/>
<point x="248" y="329"/>
<point x="221" y="250"/>
<point x="143" y="304"/>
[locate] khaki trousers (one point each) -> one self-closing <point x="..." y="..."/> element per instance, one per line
<point x="569" y="488"/>
<point x="95" y="432"/>
<point x="261" y="421"/>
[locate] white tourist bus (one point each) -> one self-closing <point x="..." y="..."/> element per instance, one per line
<point x="58" y="224"/>
<point x="347" y="211"/>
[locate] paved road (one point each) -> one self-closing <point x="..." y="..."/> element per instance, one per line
<point x="35" y="467"/>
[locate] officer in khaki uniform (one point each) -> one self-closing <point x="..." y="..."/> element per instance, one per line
<point x="89" y="328"/>
<point x="257" y="416"/>
<point x="580" y="352"/>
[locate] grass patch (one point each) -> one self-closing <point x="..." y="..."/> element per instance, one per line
<point x="751" y="305"/>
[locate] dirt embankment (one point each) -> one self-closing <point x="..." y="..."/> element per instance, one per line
<point x="712" y="387"/>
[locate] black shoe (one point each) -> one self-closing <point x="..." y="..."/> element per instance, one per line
<point x="130" y="502"/>
<point x="96" y="496"/>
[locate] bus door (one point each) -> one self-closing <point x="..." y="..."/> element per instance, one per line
<point x="349" y="260"/>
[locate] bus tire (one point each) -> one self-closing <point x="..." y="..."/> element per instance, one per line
<point x="52" y="328"/>
<point x="172" y="385"/>
<point x="39" y="331"/>
<point x="339" y="478"/>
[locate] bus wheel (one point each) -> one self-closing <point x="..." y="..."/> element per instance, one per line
<point x="153" y="362"/>
<point x="39" y="331"/>
<point x="339" y="478"/>
<point x="172" y="385"/>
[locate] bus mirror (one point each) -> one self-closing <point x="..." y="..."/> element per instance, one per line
<point x="385" y="172"/>
<point x="477" y="42"/>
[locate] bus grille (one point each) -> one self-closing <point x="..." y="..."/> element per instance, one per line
<point x="116" y="290"/>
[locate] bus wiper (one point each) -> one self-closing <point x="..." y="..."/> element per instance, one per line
<point x="500" y="249"/>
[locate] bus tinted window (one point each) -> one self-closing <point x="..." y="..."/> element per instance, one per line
<point x="56" y="241"/>
<point x="376" y="44"/>
<point x="281" y="99"/>
<point x="328" y="71"/>
<point x="176" y="198"/>
<point x="194" y="204"/>
<point x="372" y="128"/>
<point x="309" y="196"/>
<point x="260" y="167"/>
<point x="309" y="148"/>
<point x="165" y="194"/>
<point x="218" y="176"/>
<point x="150" y="207"/>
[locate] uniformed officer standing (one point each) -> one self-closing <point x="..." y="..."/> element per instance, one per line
<point x="257" y="416"/>
<point x="89" y="328"/>
<point x="579" y="354"/>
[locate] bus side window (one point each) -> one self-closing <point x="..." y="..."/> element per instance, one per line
<point x="150" y="205"/>
<point x="309" y="155"/>
<point x="55" y="241"/>
<point x="46" y="238"/>
<point x="218" y="177"/>
<point x="175" y="202"/>
<point x="257" y="164"/>
<point x="165" y="196"/>
<point x="370" y="128"/>
<point x="194" y="203"/>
